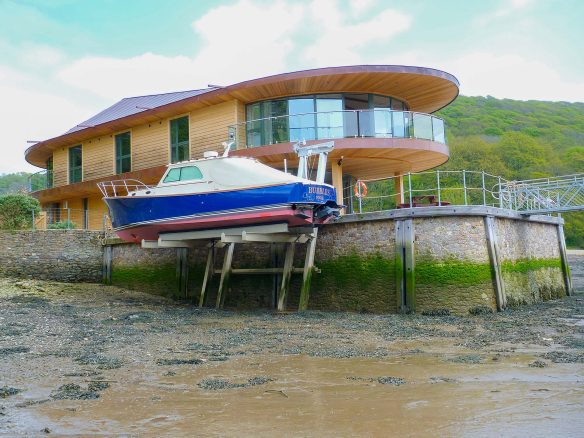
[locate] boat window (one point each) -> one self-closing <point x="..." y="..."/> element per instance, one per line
<point x="187" y="173"/>
<point x="191" y="172"/>
<point x="172" y="176"/>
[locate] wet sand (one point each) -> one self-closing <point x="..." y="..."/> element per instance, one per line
<point x="91" y="359"/>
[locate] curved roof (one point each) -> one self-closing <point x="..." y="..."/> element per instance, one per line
<point x="423" y="89"/>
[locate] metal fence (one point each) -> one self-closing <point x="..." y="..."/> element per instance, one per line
<point x="70" y="219"/>
<point x="431" y="188"/>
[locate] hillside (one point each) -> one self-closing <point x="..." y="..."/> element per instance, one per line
<point x="13" y="182"/>
<point x="518" y="140"/>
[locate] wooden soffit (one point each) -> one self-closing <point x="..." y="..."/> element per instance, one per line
<point x="424" y="89"/>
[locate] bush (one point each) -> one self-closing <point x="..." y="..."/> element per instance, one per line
<point x="16" y="211"/>
<point x="65" y="225"/>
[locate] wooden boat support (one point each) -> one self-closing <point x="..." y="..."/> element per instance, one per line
<point x="229" y="238"/>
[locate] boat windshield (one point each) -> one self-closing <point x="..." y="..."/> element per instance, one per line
<point x="186" y="173"/>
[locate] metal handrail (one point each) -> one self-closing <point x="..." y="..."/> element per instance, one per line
<point x="484" y="192"/>
<point x="44" y="178"/>
<point x="110" y="189"/>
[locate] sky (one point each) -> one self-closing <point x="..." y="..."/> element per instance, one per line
<point x="62" y="61"/>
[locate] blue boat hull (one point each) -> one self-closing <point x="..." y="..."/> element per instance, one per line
<point x="142" y="217"/>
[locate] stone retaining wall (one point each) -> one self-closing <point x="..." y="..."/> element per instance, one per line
<point x="360" y="264"/>
<point x="63" y="255"/>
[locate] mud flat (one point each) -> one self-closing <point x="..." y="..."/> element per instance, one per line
<point x="86" y="359"/>
<point x="576" y="262"/>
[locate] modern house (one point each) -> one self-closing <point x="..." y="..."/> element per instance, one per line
<point x="378" y="115"/>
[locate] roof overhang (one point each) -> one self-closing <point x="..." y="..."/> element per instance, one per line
<point x="423" y="89"/>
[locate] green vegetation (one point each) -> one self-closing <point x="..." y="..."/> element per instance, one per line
<point x="525" y="265"/>
<point x="65" y="225"/>
<point x="14" y="183"/>
<point x="16" y="211"/>
<point x="452" y="272"/>
<point x="158" y="279"/>
<point x="518" y="140"/>
<point x="353" y="268"/>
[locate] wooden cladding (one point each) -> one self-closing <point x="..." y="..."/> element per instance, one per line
<point x="208" y="128"/>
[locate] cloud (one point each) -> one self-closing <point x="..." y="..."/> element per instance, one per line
<point x="512" y="76"/>
<point x="506" y="9"/>
<point x="29" y="113"/>
<point x="341" y="41"/>
<point x="240" y="41"/>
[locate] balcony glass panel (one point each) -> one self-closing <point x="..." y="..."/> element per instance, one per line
<point x="438" y="130"/>
<point x="254" y="127"/>
<point x="399" y="124"/>
<point x="422" y="126"/>
<point x="302" y="120"/>
<point x="383" y="125"/>
<point x="329" y="117"/>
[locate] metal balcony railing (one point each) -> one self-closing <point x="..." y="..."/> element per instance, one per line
<point x="375" y="123"/>
<point x="41" y="180"/>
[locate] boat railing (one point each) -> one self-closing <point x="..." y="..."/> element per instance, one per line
<point x="121" y="187"/>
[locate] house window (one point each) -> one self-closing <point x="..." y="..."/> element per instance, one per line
<point x="179" y="139"/>
<point x="123" y="153"/>
<point x="75" y="164"/>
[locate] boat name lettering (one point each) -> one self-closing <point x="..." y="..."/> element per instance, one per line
<point x="319" y="191"/>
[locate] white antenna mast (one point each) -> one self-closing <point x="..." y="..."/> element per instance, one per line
<point x="227" y="147"/>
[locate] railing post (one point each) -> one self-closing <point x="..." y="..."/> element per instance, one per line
<point x="410" y="188"/>
<point x="360" y="197"/>
<point x="68" y="217"/>
<point x="484" y="193"/>
<point x="500" y="197"/>
<point x="438" y="183"/>
<point x="464" y="186"/>
<point x="33" y="224"/>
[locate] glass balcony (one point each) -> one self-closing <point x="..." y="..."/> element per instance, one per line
<point x="375" y="123"/>
<point x="40" y="181"/>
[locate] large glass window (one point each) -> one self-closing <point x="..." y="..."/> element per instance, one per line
<point x="123" y="153"/>
<point x="179" y="139"/>
<point x="326" y="116"/>
<point x="75" y="164"/>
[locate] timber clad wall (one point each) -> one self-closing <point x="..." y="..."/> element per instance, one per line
<point x="151" y="143"/>
<point x="208" y="127"/>
<point x="60" y="166"/>
<point x="98" y="158"/>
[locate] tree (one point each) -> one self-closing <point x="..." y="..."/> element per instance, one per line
<point x="16" y="211"/>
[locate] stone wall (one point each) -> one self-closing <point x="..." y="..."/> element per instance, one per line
<point x="360" y="265"/>
<point x="452" y="265"/>
<point x="530" y="261"/>
<point x="576" y="259"/>
<point x="63" y="255"/>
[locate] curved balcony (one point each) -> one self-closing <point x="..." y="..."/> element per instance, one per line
<point x="374" y="123"/>
<point x="41" y="180"/>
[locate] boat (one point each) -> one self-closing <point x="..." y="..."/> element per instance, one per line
<point x="220" y="192"/>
